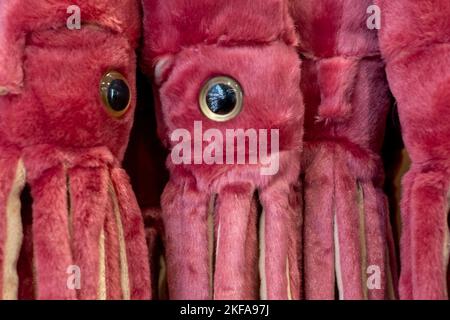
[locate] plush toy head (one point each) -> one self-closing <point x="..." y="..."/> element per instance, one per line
<point x="207" y="48"/>
<point x="66" y="109"/>
<point x="50" y="75"/>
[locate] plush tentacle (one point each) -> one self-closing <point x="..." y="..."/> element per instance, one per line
<point x="130" y="220"/>
<point x="409" y="283"/>
<point x="346" y="232"/>
<point x="112" y="251"/>
<point x="294" y="238"/>
<point x="319" y="264"/>
<point x="233" y="277"/>
<point x="405" y="282"/>
<point x="52" y="248"/>
<point x="350" y="241"/>
<point x="185" y="217"/>
<point x="88" y="191"/>
<point x="411" y="55"/>
<point x="366" y="269"/>
<point x="87" y="227"/>
<point x="280" y="273"/>
<point x="296" y="254"/>
<point x="426" y="245"/>
<point x="12" y="180"/>
<point x="252" y="249"/>
<point x="378" y="269"/>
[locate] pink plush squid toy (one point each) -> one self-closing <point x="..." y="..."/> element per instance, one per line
<point x="66" y="109"/>
<point x="227" y="74"/>
<point x="348" y="247"/>
<point x="415" y="41"/>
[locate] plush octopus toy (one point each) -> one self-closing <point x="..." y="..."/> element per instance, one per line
<point x="231" y="218"/>
<point x="415" y="41"/>
<point x="348" y="247"/>
<point x="66" y="109"/>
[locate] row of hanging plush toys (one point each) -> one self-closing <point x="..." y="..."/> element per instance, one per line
<point x="235" y="230"/>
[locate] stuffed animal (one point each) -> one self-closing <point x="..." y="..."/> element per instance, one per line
<point x="348" y="247"/>
<point x="230" y="111"/>
<point x="66" y="111"/>
<point x="415" y="39"/>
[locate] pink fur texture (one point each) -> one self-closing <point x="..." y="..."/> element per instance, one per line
<point x="186" y="44"/>
<point x="346" y="229"/>
<point x="415" y="39"/>
<point x="54" y="125"/>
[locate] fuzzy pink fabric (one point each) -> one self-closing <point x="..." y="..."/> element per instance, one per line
<point x="415" y="39"/>
<point x="252" y="41"/>
<point x="53" y="118"/>
<point x="346" y="229"/>
<point x="154" y="233"/>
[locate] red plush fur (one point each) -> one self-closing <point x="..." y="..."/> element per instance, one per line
<point x="187" y="23"/>
<point x="186" y="44"/>
<point x="346" y="228"/>
<point x="415" y="39"/>
<point x="52" y="118"/>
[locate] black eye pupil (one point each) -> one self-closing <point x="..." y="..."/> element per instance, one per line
<point x="118" y="95"/>
<point x="221" y="99"/>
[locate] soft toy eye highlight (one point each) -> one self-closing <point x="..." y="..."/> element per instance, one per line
<point x="115" y="93"/>
<point x="221" y="99"/>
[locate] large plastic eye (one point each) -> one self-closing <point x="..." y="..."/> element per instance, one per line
<point x="221" y="99"/>
<point x="115" y="93"/>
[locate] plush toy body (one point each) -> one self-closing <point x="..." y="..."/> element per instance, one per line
<point x="415" y="39"/>
<point x="346" y="225"/>
<point x="223" y="66"/>
<point x="59" y="137"/>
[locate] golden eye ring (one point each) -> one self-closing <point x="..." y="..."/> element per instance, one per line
<point x="115" y="93"/>
<point x="221" y="99"/>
